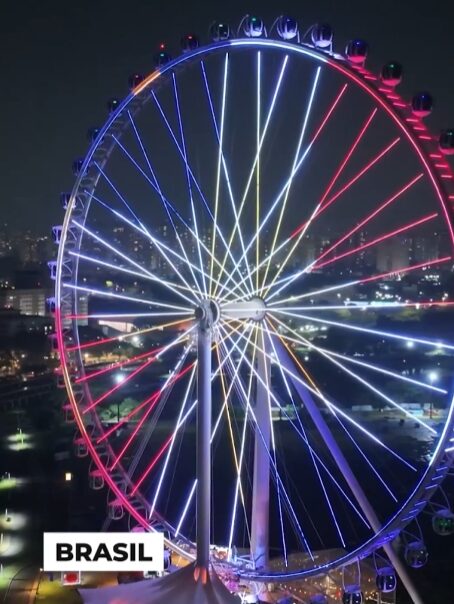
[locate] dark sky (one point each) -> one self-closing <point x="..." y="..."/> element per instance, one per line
<point x="61" y="60"/>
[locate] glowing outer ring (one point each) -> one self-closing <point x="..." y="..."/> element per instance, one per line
<point x="441" y="460"/>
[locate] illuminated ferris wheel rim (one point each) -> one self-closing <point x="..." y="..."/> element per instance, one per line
<point x="439" y="457"/>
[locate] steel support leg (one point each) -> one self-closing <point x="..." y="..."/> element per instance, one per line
<point x="261" y="480"/>
<point x="203" y="446"/>
<point x="343" y="465"/>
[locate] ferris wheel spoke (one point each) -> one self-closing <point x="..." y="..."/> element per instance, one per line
<point x="169" y="452"/>
<point x="174" y="375"/>
<point x="220" y="139"/>
<point x="302" y="229"/>
<point x="128" y="315"/>
<point x="347" y="284"/>
<point x="258" y="430"/>
<point x="238" y="214"/>
<point x="367" y="219"/>
<point x="379" y="239"/>
<point x="94" y="374"/>
<point x="160" y="245"/>
<point x="117" y="193"/>
<point x="213" y="433"/>
<point x="234" y="378"/>
<point x="367" y="460"/>
<point x="334" y="408"/>
<point x="350" y="436"/>
<point x="306" y="440"/>
<point x="174" y="287"/>
<point x="182" y="420"/>
<point x="169" y="440"/>
<point x="239" y="492"/>
<point x="238" y="462"/>
<point x="148" y="403"/>
<point x="257" y="168"/>
<point x="301" y="435"/>
<point x="125" y="336"/>
<point x="221" y="161"/>
<point x="131" y="375"/>
<point x="165" y="203"/>
<point x="109" y="294"/>
<point x="194" y="180"/>
<point x="372" y="305"/>
<point x="371" y="366"/>
<point x="152" y="402"/>
<point x="144" y="273"/>
<point x="368" y="330"/>
<point x="332" y="358"/>
<point x="300" y="162"/>
<point x="188" y="179"/>
<point x="295" y="376"/>
<point x="288" y="188"/>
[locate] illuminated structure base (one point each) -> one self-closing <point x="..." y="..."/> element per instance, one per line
<point x="180" y="587"/>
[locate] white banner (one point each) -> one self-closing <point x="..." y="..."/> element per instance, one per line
<point x="104" y="552"/>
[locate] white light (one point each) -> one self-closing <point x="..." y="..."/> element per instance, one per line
<point x="119" y="378"/>
<point x="410" y="344"/>
<point x="433" y="376"/>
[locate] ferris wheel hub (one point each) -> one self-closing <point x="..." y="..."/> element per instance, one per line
<point x="207" y="313"/>
<point x="254" y="309"/>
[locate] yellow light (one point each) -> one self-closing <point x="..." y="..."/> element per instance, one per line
<point x="68" y="476"/>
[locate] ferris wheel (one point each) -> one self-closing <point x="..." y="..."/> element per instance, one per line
<point x="251" y="308"/>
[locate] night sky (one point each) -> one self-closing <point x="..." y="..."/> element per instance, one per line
<point x="60" y="61"/>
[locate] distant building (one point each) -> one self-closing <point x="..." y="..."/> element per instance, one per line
<point x="26" y="301"/>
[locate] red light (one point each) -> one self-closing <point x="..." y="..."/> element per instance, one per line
<point x="162" y="46"/>
<point x="189" y="37"/>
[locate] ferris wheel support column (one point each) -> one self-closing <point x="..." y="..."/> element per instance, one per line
<point x="206" y="315"/>
<point x="343" y="465"/>
<point x="261" y="480"/>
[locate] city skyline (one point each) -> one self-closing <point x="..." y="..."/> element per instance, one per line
<point x="56" y="91"/>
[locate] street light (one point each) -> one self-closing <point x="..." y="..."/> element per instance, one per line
<point x="119" y="378"/>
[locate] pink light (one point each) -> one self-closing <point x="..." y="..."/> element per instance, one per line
<point x="348" y="156"/>
<point x="118" y="386"/>
<point x="96" y="342"/>
<point x="155" y="460"/>
<point x="368" y="166"/>
<point x="126" y="418"/>
<point x="371" y="216"/>
<point x="117" y="365"/>
<point x="153" y="399"/>
<point x="407" y="269"/>
<point x="328" y="115"/>
<point x="348" y="185"/>
<point x="379" y="239"/>
<point x="398" y="120"/>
